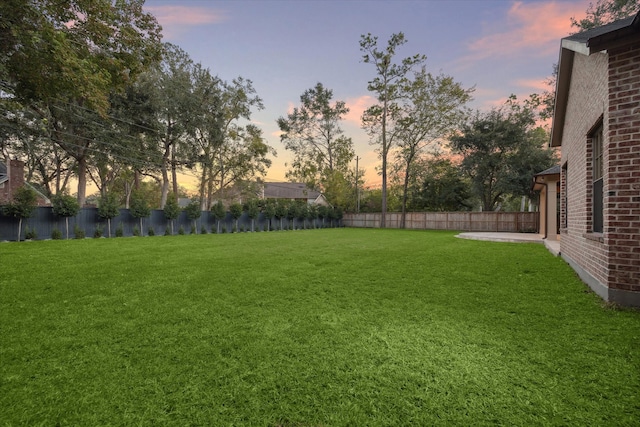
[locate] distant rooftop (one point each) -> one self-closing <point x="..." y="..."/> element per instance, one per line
<point x="289" y="190"/>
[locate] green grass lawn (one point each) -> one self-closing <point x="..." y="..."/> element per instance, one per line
<point x="308" y="328"/>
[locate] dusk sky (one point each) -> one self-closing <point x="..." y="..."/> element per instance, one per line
<point x="286" y="47"/>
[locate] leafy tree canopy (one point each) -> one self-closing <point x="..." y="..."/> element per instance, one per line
<point x="604" y="12"/>
<point x="74" y="49"/>
<point x="24" y="203"/>
<point x="313" y="134"/>
<point x="193" y="209"/>
<point x="171" y="208"/>
<point x="502" y="149"/>
<point x="65" y="205"/>
<point x="139" y="207"/>
<point x="108" y="207"/>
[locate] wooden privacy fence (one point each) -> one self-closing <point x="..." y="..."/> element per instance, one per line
<point x="514" y="222"/>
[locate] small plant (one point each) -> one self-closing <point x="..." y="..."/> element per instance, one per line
<point x="23" y="205"/>
<point x="234" y="229"/>
<point x="78" y="232"/>
<point x="151" y="231"/>
<point x="98" y="232"/>
<point x="203" y="230"/>
<point x="136" y="231"/>
<point x="244" y="228"/>
<point x="108" y="209"/>
<point x="119" y="230"/>
<point x="30" y="233"/>
<point x="56" y="234"/>
<point x="65" y="206"/>
<point x="181" y="230"/>
<point x="224" y="229"/>
<point x="171" y="211"/>
<point x="167" y="230"/>
<point x="193" y="230"/>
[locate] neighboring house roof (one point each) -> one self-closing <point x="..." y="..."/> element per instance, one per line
<point x="4" y="177"/>
<point x="613" y="35"/>
<point x="289" y="190"/>
<point x="293" y="191"/>
<point x="553" y="170"/>
<point x="183" y="202"/>
<point x="40" y="194"/>
<point x="536" y="185"/>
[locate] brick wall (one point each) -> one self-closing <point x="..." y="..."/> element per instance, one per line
<point x="587" y="104"/>
<point x="622" y="173"/>
<point x="15" y="172"/>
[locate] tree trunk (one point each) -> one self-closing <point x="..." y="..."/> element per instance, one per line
<point x="383" y="214"/>
<point x="174" y="171"/>
<point x="405" y="187"/>
<point x="203" y="182"/>
<point x="165" y="185"/>
<point x="82" y="180"/>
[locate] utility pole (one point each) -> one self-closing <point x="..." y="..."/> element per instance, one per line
<point x="357" y="188"/>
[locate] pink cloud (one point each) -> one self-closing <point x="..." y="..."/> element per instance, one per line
<point x="357" y="106"/>
<point x="177" y="19"/>
<point x="185" y="15"/>
<point x="531" y="28"/>
<point x="535" y="84"/>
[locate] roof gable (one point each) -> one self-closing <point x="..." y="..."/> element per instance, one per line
<point x="586" y="41"/>
<point x="553" y="170"/>
<point x="613" y="35"/>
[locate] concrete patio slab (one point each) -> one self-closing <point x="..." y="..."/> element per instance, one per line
<point x="552" y="245"/>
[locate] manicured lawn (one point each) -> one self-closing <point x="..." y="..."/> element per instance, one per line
<point x="308" y="328"/>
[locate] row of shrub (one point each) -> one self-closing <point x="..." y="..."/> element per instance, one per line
<point x="30" y="233"/>
<point x="257" y="215"/>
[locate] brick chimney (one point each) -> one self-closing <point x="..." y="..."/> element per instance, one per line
<point x="15" y="180"/>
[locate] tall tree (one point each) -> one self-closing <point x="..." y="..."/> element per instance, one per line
<point x="502" y="149"/>
<point x="207" y="129"/>
<point x="313" y="134"/>
<point x="72" y="55"/>
<point x="390" y="76"/>
<point x="433" y="108"/>
<point x="170" y="84"/>
<point x="243" y="154"/>
<point x="441" y="187"/>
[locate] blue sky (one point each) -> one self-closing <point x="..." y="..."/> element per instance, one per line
<point x="285" y="47"/>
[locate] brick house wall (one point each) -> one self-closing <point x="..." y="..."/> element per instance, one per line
<point x="622" y="158"/>
<point x="15" y="173"/>
<point x="585" y="108"/>
<point x="598" y="100"/>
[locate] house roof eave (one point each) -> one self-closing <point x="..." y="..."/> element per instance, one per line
<point x="575" y="46"/>
<point x="629" y="33"/>
<point x="616" y="34"/>
<point x="565" y="69"/>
